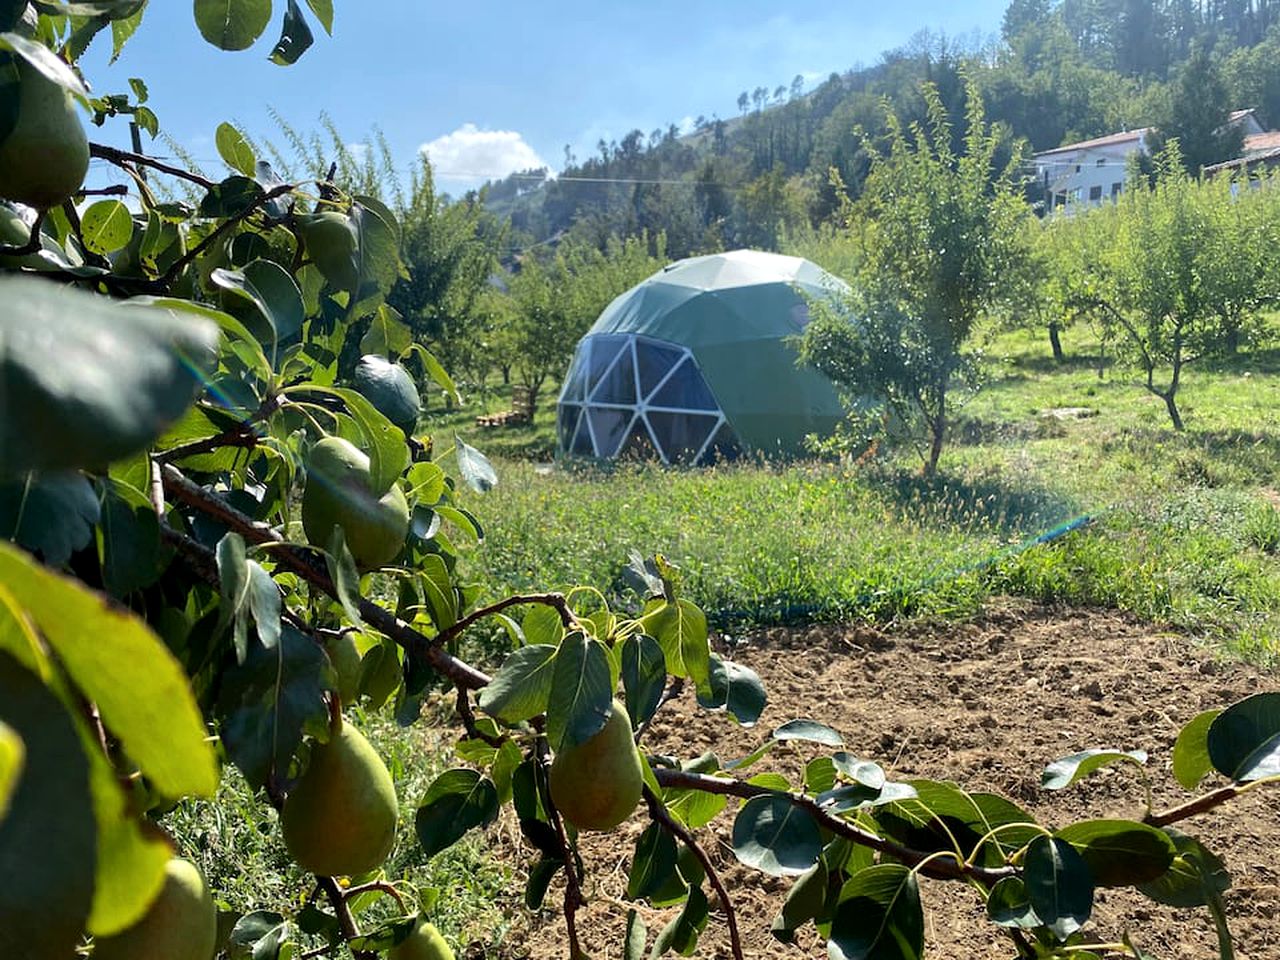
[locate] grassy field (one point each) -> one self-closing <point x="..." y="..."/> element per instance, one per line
<point x="1112" y="509"/>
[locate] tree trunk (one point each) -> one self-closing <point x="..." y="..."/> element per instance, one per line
<point x="1232" y="339"/>
<point x="938" y="429"/>
<point x="1171" y="403"/>
<point x="935" y="450"/>
<point x="506" y="374"/>
<point x="1056" y="342"/>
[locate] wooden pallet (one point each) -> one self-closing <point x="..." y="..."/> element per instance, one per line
<point x="521" y="411"/>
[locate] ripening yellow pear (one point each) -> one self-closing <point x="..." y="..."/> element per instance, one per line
<point x="340" y="817"/>
<point x="424" y="943"/>
<point x="596" y="784"/>
<point x="338" y="492"/>
<point x="44" y="159"/>
<point x="181" y="924"/>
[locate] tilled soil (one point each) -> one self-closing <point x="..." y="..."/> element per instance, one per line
<point x="986" y="704"/>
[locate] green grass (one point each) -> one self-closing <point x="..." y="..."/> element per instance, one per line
<point x="1181" y="530"/>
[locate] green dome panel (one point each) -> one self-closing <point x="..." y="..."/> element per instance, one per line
<point x="698" y="360"/>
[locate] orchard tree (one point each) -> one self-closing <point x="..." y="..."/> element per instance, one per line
<point x="940" y="237"/>
<point x="554" y="302"/>
<point x="1151" y="282"/>
<point x="1199" y="115"/>
<point x="1241" y="257"/>
<point x="450" y="252"/>
<point x="214" y="548"/>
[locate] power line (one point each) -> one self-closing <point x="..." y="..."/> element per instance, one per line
<point x="623" y="180"/>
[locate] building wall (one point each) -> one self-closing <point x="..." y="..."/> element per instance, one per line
<point x="1085" y="177"/>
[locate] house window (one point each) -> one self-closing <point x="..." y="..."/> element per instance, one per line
<point x="1102" y="161"/>
<point x="1077" y="168"/>
<point x="1115" y="189"/>
<point x="1095" y="194"/>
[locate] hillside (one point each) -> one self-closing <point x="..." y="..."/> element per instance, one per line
<point x="1058" y="72"/>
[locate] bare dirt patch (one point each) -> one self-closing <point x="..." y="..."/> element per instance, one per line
<point x="986" y="704"/>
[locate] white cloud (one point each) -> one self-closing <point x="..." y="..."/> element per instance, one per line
<point x="687" y="126"/>
<point x="470" y="153"/>
<point x="358" y="151"/>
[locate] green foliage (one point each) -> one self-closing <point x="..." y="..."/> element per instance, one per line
<point x="552" y="304"/>
<point x="938" y="233"/>
<point x="1172" y="272"/>
<point x="1199" y="111"/>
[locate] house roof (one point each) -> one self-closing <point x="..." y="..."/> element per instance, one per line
<point x="1259" y="147"/>
<point x="1261" y="142"/>
<point x="1110" y="140"/>
<point x="1262" y="156"/>
<point x="1236" y="115"/>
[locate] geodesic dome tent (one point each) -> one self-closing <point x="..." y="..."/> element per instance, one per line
<point x="695" y="363"/>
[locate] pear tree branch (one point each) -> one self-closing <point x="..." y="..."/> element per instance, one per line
<point x="466" y="678"/>
<point x="658" y="813"/>
<point x="573" y="898"/>
<point x="301" y="561"/>
<point x="1205" y="803"/>
<point x="346" y="922"/>
<point x="126" y="159"/>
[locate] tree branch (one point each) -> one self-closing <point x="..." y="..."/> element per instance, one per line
<point x="555" y="600"/>
<point x="162" y="283"/>
<point x="572" y="887"/>
<point x="941" y="869"/>
<point x="379" y="885"/>
<point x="659" y="815"/>
<point x="468" y="716"/>
<point x="119" y="190"/>
<point x="346" y="922"/>
<point x="467" y="677"/>
<point x="301" y="562"/>
<point x="242" y="434"/>
<point x="1193" y="807"/>
<point x="122" y="158"/>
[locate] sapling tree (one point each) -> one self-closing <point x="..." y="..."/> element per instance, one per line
<point x="1240" y="257"/>
<point x="1149" y="282"/>
<point x="171" y="408"/>
<point x="940" y="235"/>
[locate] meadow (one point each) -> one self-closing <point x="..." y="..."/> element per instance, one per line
<point x="1105" y="505"/>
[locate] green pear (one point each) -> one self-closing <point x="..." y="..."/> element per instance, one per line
<point x="597" y="783"/>
<point x="390" y="389"/>
<point x="338" y="492"/>
<point x="331" y="241"/>
<point x="44" y="159"/>
<point x="180" y="924"/>
<point x="348" y="662"/>
<point x="340" y="817"/>
<point x="424" y="943"/>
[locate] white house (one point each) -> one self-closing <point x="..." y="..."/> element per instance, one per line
<point x="1088" y="172"/>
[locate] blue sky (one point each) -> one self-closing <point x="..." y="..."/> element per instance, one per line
<point x="493" y="87"/>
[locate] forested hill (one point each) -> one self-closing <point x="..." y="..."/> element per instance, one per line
<point x="1058" y="72"/>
